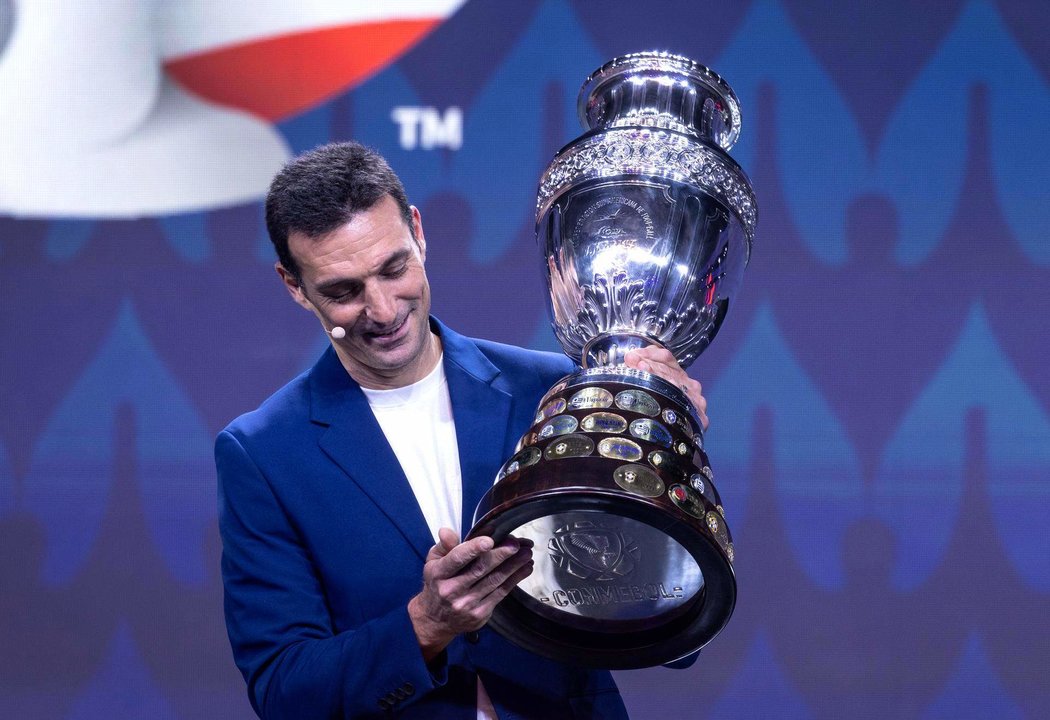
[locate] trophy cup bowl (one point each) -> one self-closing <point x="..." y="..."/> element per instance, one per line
<point x="647" y="225"/>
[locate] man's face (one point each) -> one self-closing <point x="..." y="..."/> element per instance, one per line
<point x="367" y="277"/>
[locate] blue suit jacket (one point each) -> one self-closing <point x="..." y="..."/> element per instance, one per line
<point x="323" y="546"/>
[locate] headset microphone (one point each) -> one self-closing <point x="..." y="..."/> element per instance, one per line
<point x="337" y="332"/>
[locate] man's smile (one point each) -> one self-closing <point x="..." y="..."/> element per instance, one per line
<point x="387" y="337"/>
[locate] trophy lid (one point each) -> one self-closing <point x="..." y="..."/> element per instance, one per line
<point x="659" y="89"/>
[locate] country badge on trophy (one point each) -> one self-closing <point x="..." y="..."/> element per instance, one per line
<point x="647" y="225"/>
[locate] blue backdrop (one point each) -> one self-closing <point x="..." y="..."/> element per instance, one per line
<point x="879" y="395"/>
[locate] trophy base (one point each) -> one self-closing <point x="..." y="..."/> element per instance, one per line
<point x="633" y="560"/>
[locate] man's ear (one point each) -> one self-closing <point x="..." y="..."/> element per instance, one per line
<point x="417" y="228"/>
<point x="291" y="284"/>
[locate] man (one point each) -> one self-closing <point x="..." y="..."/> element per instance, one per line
<point x="339" y="602"/>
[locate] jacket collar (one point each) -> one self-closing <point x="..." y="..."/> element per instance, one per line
<point x="356" y="443"/>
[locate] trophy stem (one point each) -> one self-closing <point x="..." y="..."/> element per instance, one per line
<point x="610" y="348"/>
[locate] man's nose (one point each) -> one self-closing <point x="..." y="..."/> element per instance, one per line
<point x="380" y="307"/>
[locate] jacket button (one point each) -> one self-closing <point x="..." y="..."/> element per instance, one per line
<point x="408" y="688"/>
<point x="384" y="704"/>
<point x="473" y="637"/>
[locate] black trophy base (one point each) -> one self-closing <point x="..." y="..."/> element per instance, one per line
<point x="633" y="559"/>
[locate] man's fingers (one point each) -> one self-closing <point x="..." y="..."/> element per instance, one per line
<point x="671" y="373"/>
<point x="463" y="581"/>
<point x="463" y="554"/>
<point x="700" y="404"/>
<point x="506" y="586"/>
<point x="656" y="360"/>
<point x="659" y="361"/>
<point x="484" y="597"/>
<point x="476" y="558"/>
<point x="447" y="539"/>
<point x="462" y="588"/>
<point x="653" y="353"/>
<point x="499" y="573"/>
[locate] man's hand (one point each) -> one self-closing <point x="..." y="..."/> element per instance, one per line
<point x="659" y="361"/>
<point x="462" y="583"/>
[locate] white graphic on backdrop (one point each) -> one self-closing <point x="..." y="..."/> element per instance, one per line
<point x="194" y="27"/>
<point x="428" y="127"/>
<point x="122" y="108"/>
<point x="91" y="126"/>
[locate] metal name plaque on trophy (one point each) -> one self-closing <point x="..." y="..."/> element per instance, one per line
<point x="647" y="225"/>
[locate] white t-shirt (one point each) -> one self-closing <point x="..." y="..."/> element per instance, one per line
<point x="418" y="424"/>
<point x="417" y="421"/>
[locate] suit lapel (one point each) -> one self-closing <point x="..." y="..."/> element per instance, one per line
<point x="356" y="443"/>
<point x="481" y="412"/>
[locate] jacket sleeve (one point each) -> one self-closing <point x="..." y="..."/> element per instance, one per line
<point x="283" y="641"/>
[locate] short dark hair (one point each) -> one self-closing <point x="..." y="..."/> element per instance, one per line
<point x="324" y="188"/>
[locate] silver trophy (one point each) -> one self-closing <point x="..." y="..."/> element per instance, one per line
<point x="647" y="225"/>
